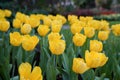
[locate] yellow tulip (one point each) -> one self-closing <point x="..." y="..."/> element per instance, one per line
<point x="29" y="42"/>
<point x="94" y="59"/>
<point x="60" y="17"/>
<point x="17" y="23"/>
<point x="47" y="21"/>
<point x="85" y="19"/>
<point x="79" y="39"/>
<point x="76" y="27"/>
<point x="43" y="30"/>
<point x="56" y="26"/>
<point x="79" y="65"/>
<point x="89" y="31"/>
<point x="7" y="13"/>
<point x="26" y="29"/>
<point x="104" y="25"/>
<point x="4" y="26"/>
<point x="15" y="39"/>
<point x="72" y="18"/>
<point x="20" y="16"/>
<point x="57" y="47"/>
<point x="26" y="74"/>
<point x="53" y="36"/>
<point x="51" y="17"/>
<point x="96" y="45"/>
<point x="2" y="13"/>
<point x="116" y="29"/>
<point x="103" y="35"/>
<point x="34" y="22"/>
<point x="95" y="24"/>
<point x="35" y="16"/>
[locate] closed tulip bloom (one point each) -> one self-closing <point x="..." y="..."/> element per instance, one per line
<point x="15" y="39"/>
<point x="26" y="73"/>
<point x="96" y="45"/>
<point x="7" y="13"/>
<point x="76" y="27"/>
<point x="95" y="24"/>
<point x="34" y="22"/>
<point x="72" y="19"/>
<point x="51" y="17"/>
<point x="43" y="30"/>
<point x="17" y="23"/>
<point x="103" y="35"/>
<point x="53" y="36"/>
<point x="56" y="26"/>
<point x="79" y="66"/>
<point x="85" y="19"/>
<point x="89" y="32"/>
<point x="57" y="47"/>
<point x="94" y="59"/>
<point x="4" y="26"/>
<point x="2" y="13"/>
<point x="20" y="16"/>
<point x="35" y="16"/>
<point x="104" y="25"/>
<point x="29" y="42"/>
<point x="26" y="29"/>
<point x="79" y="39"/>
<point x="116" y="29"/>
<point x="47" y="21"/>
<point x="60" y="17"/>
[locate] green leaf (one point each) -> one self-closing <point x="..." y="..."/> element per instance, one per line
<point x="66" y="62"/>
<point x="51" y="70"/>
<point x="19" y="56"/>
<point x="89" y="75"/>
<point x="15" y="78"/>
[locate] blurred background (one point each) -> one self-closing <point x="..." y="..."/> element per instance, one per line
<point x="64" y="7"/>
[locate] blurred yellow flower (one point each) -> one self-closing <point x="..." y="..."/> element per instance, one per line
<point x="47" y="21"/>
<point x="17" y="23"/>
<point x="79" y="39"/>
<point x="95" y="24"/>
<point x="53" y="36"/>
<point x="57" y="47"/>
<point x="116" y="29"/>
<point x="72" y="19"/>
<point x="56" y="26"/>
<point x="15" y="39"/>
<point x="103" y="35"/>
<point x="104" y="25"/>
<point x="7" y="13"/>
<point x="34" y="22"/>
<point x="76" y="27"/>
<point x="26" y="29"/>
<point x="94" y="59"/>
<point x="29" y="42"/>
<point x="85" y="19"/>
<point x="96" y="45"/>
<point x="89" y="32"/>
<point x="43" y="30"/>
<point x="20" y="16"/>
<point x="26" y="73"/>
<point x="4" y="26"/>
<point x="79" y="65"/>
<point x="2" y="13"/>
<point x="35" y="16"/>
<point x="60" y="17"/>
<point x="51" y="17"/>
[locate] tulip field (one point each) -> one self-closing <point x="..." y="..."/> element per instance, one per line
<point x="39" y="47"/>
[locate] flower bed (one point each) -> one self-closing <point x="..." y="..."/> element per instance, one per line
<point x="37" y="47"/>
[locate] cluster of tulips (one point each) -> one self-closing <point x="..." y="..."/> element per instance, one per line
<point x="87" y="49"/>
